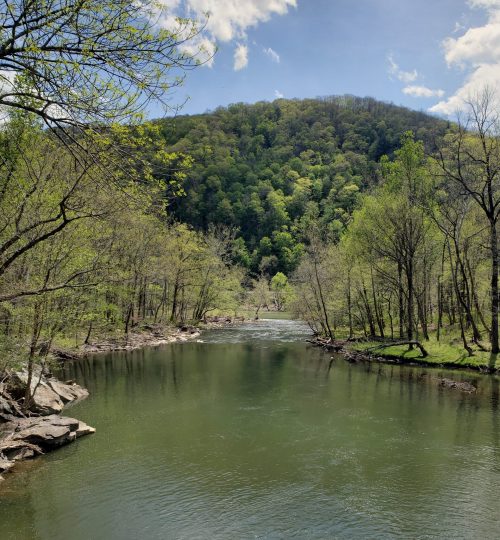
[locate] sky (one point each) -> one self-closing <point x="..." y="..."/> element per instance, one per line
<point x="428" y="55"/>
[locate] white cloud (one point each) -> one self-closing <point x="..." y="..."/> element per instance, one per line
<point x="226" y="20"/>
<point x="278" y="94"/>
<point x="459" y="27"/>
<point x="229" y="19"/>
<point x="477" y="45"/>
<point x="422" y="92"/>
<point x="223" y="21"/>
<point x="203" y="48"/>
<point x="477" y="54"/>
<point x="485" y="76"/>
<point x="273" y="55"/>
<point x="240" y="57"/>
<point x="7" y="79"/>
<point x="488" y="4"/>
<point x="395" y="71"/>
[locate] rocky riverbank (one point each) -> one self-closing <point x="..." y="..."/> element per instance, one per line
<point x="25" y="434"/>
<point x="40" y="429"/>
<point x="146" y="336"/>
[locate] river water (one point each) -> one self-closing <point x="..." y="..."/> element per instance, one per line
<point x="253" y="433"/>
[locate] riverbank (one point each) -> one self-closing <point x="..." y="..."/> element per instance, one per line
<point x="41" y="428"/>
<point x="145" y="336"/>
<point x="438" y="354"/>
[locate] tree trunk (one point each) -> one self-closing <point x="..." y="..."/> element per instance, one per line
<point x="380" y="320"/>
<point x="440" y="308"/>
<point x="323" y="304"/>
<point x="349" y="305"/>
<point x="174" y="300"/>
<point x="409" y="278"/>
<point x="31" y="358"/>
<point x="494" y="288"/>
<point x="401" y="301"/>
<point x="87" y="339"/>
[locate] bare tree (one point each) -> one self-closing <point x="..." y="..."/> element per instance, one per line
<point x="470" y="157"/>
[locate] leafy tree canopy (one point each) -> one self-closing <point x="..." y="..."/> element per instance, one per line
<point x="274" y="169"/>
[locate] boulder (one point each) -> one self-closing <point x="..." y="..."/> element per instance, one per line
<point x="24" y="437"/>
<point x="67" y="392"/>
<point x="44" y="399"/>
<point x="50" y="395"/>
<point x="458" y="385"/>
<point x="18" y="450"/>
<point x="84" y="429"/>
<point x="48" y="432"/>
<point x="8" y="405"/>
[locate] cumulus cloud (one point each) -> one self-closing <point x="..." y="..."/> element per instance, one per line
<point x="224" y="21"/>
<point x="278" y="94"/>
<point x="477" y="54"/>
<point x="230" y="19"/>
<point x="240" y="57"/>
<point x="422" y="92"/>
<point x="273" y="55"/>
<point x="398" y="73"/>
<point x="7" y="84"/>
<point x="485" y="3"/>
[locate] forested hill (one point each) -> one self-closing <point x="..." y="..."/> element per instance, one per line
<point x="269" y="168"/>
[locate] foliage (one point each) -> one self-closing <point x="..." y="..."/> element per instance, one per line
<point x="81" y="255"/>
<point x="272" y="169"/>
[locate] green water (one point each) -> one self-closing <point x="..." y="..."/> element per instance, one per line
<point x="255" y="434"/>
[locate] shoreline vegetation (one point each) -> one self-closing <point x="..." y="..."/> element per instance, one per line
<point x="427" y="354"/>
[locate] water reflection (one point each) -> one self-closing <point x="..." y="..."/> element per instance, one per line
<point x="255" y="434"/>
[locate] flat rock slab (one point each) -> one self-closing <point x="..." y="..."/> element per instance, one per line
<point x="48" y="431"/>
<point x="67" y="392"/>
<point x="26" y="438"/>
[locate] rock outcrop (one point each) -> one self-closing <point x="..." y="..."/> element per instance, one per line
<point x="27" y="434"/>
<point x="49" y="395"/>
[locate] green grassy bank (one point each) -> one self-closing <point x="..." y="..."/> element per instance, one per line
<point x="445" y="352"/>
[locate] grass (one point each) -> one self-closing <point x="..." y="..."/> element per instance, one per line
<point x="443" y="352"/>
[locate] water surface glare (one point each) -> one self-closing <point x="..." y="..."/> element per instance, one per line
<point x="253" y="433"/>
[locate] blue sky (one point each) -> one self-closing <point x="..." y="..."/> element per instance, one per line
<point x="424" y="54"/>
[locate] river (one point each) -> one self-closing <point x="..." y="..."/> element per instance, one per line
<point x="253" y="433"/>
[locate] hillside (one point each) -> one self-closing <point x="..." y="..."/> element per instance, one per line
<point x="269" y="168"/>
